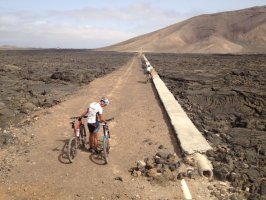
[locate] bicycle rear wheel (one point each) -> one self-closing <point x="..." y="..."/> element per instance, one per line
<point x="148" y="79"/>
<point x="106" y="148"/>
<point x="72" y="149"/>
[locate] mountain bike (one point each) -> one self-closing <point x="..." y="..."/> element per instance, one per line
<point x="78" y="140"/>
<point x="105" y="147"/>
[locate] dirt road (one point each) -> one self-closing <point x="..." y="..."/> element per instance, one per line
<point x="139" y="128"/>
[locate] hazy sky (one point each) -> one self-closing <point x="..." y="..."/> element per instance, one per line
<point x="97" y="23"/>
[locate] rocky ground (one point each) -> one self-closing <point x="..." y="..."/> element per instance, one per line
<point x="225" y="97"/>
<point x="34" y="79"/>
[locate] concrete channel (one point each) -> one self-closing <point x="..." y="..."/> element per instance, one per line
<point x="192" y="142"/>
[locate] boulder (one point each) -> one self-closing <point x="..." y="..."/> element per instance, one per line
<point x="263" y="188"/>
<point x="140" y="164"/>
<point x="149" y="163"/>
<point x="152" y="172"/>
<point x="159" y="160"/>
<point x="6" y="138"/>
<point x="162" y="155"/>
<point x="253" y="174"/>
<point x="221" y="172"/>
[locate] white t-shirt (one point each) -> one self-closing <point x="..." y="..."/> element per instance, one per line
<point x="149" y="68"/>
<point x="94" y="109"/>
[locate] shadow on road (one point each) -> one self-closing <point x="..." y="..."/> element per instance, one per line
<point x="142" y="82"/>
<point x="97" y="159"/>
<point x="62" y="157"/>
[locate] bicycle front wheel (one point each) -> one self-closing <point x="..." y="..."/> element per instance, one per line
<point x="72" y="149"/>
<point x="106" y="148"/>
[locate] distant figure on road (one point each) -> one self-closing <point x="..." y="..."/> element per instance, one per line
<point x="149" y="72"/>
<point x="95" y="116"/>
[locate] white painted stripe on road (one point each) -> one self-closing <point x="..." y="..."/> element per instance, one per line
<point x="185" y="189"/>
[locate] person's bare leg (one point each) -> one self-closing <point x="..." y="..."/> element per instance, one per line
<point x="91" y="140"/>
<point x="95" y="140"/>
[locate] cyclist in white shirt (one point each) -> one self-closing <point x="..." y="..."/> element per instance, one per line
<point x="149" y="71"/>
<point x="95" y="116"/>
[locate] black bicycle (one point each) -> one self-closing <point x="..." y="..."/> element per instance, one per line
<point x="78" y="140"/>
<point x="105" y="147"/>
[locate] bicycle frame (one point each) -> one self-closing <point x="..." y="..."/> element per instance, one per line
<point x="76" y="130"/>
<point x="77" y="127"/>
<point x="106" y="133"/>
<point x="78" y="139"/>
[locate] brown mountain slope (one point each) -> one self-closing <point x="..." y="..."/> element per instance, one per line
<point x="242" y="31"/>
<point x="10" y="47"/>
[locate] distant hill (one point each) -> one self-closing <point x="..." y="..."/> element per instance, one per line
<point x="10" y="47"/>
<point x="241" y="31"/>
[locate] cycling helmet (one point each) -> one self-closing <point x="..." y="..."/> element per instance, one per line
<point x="105" y="100"/>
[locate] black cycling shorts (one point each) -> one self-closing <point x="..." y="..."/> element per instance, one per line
<point x="94" y="127"/>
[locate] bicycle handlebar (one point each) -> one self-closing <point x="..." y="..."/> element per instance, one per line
<point x="107" y="120"/>
<point x="110" y="119"/>
<point x="78" y="117"/>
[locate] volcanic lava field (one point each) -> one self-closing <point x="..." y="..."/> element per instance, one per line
<point x="33" y="79"/>
<point x="225" y="97"/>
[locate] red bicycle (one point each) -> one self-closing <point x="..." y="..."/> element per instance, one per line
<point x="78" y="140"/>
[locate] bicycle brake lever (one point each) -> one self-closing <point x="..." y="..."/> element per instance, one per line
<point x="110" y="119"/>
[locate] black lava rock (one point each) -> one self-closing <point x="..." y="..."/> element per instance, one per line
<point x="221" y="172"/>
<point x="263" y="188"/>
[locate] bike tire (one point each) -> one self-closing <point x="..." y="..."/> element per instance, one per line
<point x="72" y="149"/>
<point x="82" y="136"/>
<point x="106" y="148"/>
<point x="148" y="80"/>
